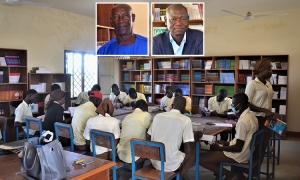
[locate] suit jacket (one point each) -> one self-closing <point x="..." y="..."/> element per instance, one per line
<point x="161" y="44"/>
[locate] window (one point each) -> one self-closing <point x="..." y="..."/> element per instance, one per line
<point x="83" y="68"/>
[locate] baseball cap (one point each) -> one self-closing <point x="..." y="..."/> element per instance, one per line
<point x="96" y="94"/>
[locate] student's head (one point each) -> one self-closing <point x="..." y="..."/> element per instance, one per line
<point x="54" y="87"/>
<point x="132" y="93"/>
<point x="177" y="19"/>
<point x="31" y="96"/>
<point x="105" y="106"/>
<point x="96" y="98"/>
<point x="58" y="96"/>
<point x="178" y="92"/>
<point x="239" y="103"/>
<point x="169" y="91"/>
<point x="122" y="19"/>
<point x="222" y="94"/>
<point x="115" y="89"/>
<point x="179" y="104"/>
<point x="96" y="87"/>
<point x="263" y="68"/>
<point x="142" y="105"/>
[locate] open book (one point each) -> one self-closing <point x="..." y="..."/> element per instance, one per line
<point x="275" y="125"/>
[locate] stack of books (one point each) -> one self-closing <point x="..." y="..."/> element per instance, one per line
<point x="176" y="65"/>
<point x="40" y="70"/>
<point x="282" y="109"/>
<point x="146" y="77"/>
<point x="41" y="87"/>
<point x="227" y="77"/>
<point x="164" y="65"/>
<point x="275" y="95"/>
<point x="199" y="90"/>
<point x="246" y="64"/>
<point x="184" y="64"/>
<point x="282" y="79"/>
<point x="160" y="77"/>
<point x="12" y="61"/>
<point x="137" y="77"/>
<point x="171" y="77"/>
<point x="198" y="63"/>
<point x="212" y="77"/>
<point x="145" y="66"/>
<point x="196" y="100"/>
<point x="208" y="89"/>
<point x="128" y="86"/>
<point x="242" y="77"/>
<point x="283" y="91"/>
<point x="284" y="65"/>
<point x="185" y="77"/>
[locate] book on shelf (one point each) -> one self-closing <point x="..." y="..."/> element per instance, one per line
<point x="282" y="79"/>
<point x="12" y="60"/>
<point x="208" y="89"/>
<point x="208" y="64"/>
<point x="227" y="77"/>
<point x="282" y="109"/>
<point x="225" y="64"/>
<point x="198" y="63"/>
<point x="273" y="79"/>
<point x="275" y="125"/>
<point x="278" y="65"/>
<point x="2" y="61"/>
<point x="283" y="92"/>
<point x="284" y="65"/>
<point x="158" y="30"/>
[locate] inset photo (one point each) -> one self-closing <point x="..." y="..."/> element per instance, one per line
<point x="122" y="29"/>
<point x="177" y="29"/>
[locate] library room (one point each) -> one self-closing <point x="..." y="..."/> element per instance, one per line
<point x="101" y="84"/>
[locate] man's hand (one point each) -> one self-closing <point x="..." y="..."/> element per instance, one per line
<point x="215" y="147"/>
<point x="223" y="143"/>
<point x="214" y="113"/>
<point x="197" y="135"/>
<point x="269" y="113"/>
<point x="232" y="116"/>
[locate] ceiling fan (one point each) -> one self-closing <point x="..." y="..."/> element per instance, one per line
<point x="249" y="15"/>
<point x="21" y="2"/>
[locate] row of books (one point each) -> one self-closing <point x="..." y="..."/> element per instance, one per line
<point x="145" y="88"/>
<point x="128" y="66"/>
<point x="13" y="94"/>
<point x="279" y="65"/>
<point x="208" y="89"/>
<point x="146" y="77"/>
<point x="199" y="90"/>
<point x="225" y="64"/>
<point x="184" y="77"/>
<point x="244" y="78"/>
<point x="164" y="65"/>
<point x="199" y="101"/>
<point x="227" y="77"/>
<point x="280" y="80"/>
<point x="212" y="77"/>
<point x="197" y="76"/>
<point x="246" y="64"/>
<point x="158" y="13"/>
<point x="182" y="64"/>
<point x="195" y="11"/>
<point x="184" y="87"/>
<point x="230" y="89"/>
<point x="145" y="66"/>
<point x="241" y="90"/>
<point x="10" y="61"/>
<point x="126" y="76"/>
<point x="128" y="86"/>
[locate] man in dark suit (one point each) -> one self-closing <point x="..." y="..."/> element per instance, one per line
<point x="179" y="39"/>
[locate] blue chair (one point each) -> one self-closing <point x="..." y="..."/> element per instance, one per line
<point x="3" y="123"/>
<point x="197" y="163"/>
<point x="66" y="131"/>
<point x="270" y="154"/>
<point x="34" y="124"/>
<point x="107" y="140"/>
<point x="255" y="156"/>
<point x="150" y="150"/>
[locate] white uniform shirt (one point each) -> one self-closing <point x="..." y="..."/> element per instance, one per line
<point x="22" y="111"/>
<point x="260" y="95"/>
<point x="246" y="126"/>
<point x="134" y="125"/>
<point x="103" y="123"/>
<point x="165" y="102"/>
<point x="214" y="105"/>
<point x="82" y="114"/>
<point x="46" y="101"/>
<point x="138" y="97"/>
<point x="171" y="128"/>
<point x="113" y="98"/>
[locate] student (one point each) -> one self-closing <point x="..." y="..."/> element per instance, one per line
<point x="53" y="87"/>
<point x="237" y="150"/>
<point x="167" y="99"/>
<point x="220" y="104"/>
<point x="126" y="42"/>
<point x="134" y="125"/>
<point x="132" y="97"/>
<point x="83" y="97"/>
<point x="23" y="110"/>
<point x="188" y="106"/>
<point x="81" y="116"/>
<point x="116" y="96"/>
<point x="180" y="39"/>
<point x="103" y="122"/>
<point x="54" y="110"/>
<point x="173" y="128"/>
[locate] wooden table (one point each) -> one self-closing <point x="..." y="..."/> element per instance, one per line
<point x="98" y="169"/>
<point x="120" y="112"/>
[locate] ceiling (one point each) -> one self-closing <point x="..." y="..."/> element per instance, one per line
<point x="213" y="7"/>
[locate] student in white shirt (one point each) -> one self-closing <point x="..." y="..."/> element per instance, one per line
<point x="116" y="96"/>
<point x="219" y="104"/>
<point x="132" y="97"/>
<point x="188" y="105"/>
<point x="103" y="122"/>
<point x="167" y="100"/>
<point x="23" y="110"/>
<point x="237" y="150"/>
<point x="174" y="129"/>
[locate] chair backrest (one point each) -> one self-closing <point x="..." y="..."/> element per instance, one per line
<point x="103" y="139"/>
<point x="35" y="124"/>
<point x="3" y="123"/>
<point x="150" y="150"/>
<point x="256" y="146"/>
<point x="66" y="131"/>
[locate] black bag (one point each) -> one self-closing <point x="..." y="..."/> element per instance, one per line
<point x="44" y="161"/>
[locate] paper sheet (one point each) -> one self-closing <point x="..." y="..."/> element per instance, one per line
<point x="9" y="147"/>
<point x="72" y="110"/>
<point x="223" y="124"/>
<point x="207" y="138"/>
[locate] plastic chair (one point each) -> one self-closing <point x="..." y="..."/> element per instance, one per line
<point x="150" y="150"/>
<point x="35" y="124"/>
<point x="3" y="123"/>
<point x="66" y="131"/>
<point x="107" y="140"/>
<point x="255" y="156"/>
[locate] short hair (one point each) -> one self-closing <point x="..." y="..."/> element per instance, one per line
<point x="223" y="91"/>
<point x="114" y="86"/>
<point x="96" y="87"/>
<point x="241" y="98"/>
<point x="178" y="90"/>
<point x="176" y="5"/>
<point x="31" y="91"/>
<point x="131" y="91"/>
<point x="168" y="88"/>
<point x="141" y="104"/>
<point x="55" y="86"/>
<point x="179" y="102"/>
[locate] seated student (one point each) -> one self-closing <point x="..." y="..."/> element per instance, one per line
<point x="116" y="96"/>
<point x="219" y="104"/>
<point x="134" y="125"/>
<point x="23" y="110"/>
<point x="53" y="87"/>
<point x="173" y="128"/>
<point x="188" y="106"/>
<point x="82" y="114"/>
<point x="132" y="97"/>
<point x="167" y="99"/>
<point x="103" y="122"/>
<point x="83" y="97"/>
<point x="237" y="150"/>
<point x="54" y="110"/>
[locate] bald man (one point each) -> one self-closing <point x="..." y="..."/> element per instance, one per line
<point x="126" y="42"/>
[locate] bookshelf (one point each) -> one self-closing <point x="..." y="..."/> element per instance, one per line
<point x="64" y="80"/>
<point x="159" y="11"/>
<point x="136" y="73"/>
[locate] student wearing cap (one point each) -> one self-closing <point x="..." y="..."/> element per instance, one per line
<point x="83" y="97"/>
<point x="81" y="116"/>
